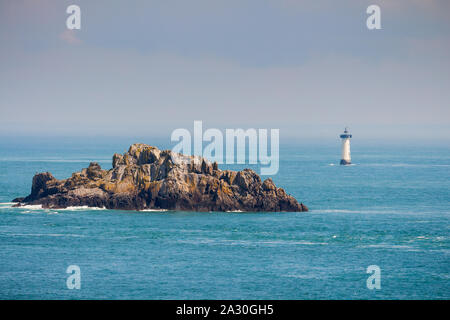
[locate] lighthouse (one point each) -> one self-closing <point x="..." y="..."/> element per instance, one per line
<point x="345" y="150"/>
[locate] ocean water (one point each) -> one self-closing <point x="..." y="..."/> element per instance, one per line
<point x="390" y="209"/>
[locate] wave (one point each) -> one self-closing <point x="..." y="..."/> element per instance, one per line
<point x="289" y="242"/>
<point x="45" y="235"/>
<point x="369" y="211"/>
<point x="252" y="242"/>
<point x="53" y="210"/>
<point x="336" y="211"/>
<point x="82" y="208"/>
<point x="405" y="165"/>
<point x="6" y="205"/>
<point x="351" y="211"/>
<point x="71" y="208"/>
<point x="304" y="276"/>
<point x="390" y="246"/>
<point x="31" y="207"/>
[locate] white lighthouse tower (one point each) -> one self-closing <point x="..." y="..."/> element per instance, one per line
<point x="345" y="150"/>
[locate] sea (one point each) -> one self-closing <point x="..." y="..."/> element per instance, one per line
<point x="389" y="210"/>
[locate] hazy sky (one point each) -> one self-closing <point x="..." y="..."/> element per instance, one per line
<point x="147" y="67"/>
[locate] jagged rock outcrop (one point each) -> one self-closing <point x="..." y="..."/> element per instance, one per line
<point x="148" y="178"/>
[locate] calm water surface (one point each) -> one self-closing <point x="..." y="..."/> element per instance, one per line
<point x="390" y="209"/>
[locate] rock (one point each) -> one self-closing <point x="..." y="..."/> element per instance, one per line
<point x="304" y="208"/>
<point x="268" y="185"/>
<point x="94" y="170"/>
<point x="117" y="159"/>
<point x="148" y="178"/>
<point x="40" y="186"/>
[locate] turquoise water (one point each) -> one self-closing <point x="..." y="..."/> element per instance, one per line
<point x="390" y="209"/>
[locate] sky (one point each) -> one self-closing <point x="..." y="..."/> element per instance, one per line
<point x="308" y="68"/>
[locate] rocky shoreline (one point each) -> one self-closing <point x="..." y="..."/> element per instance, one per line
<point x="148" y="178"/>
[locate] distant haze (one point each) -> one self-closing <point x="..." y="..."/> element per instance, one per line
<point x="309" y="68"/>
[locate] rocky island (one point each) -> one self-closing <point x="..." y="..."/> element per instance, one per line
<point x="148" y="178"/>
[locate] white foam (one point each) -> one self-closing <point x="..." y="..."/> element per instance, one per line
<point x="71" y="208"/>
<point x="39" y="207"/>
<point x="82" y="208"/>
<point x="31" y="207"/>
